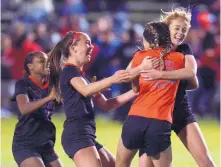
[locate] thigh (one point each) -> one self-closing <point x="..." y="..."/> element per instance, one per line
<point x="107" y="159"/>
<point x="87" y="157"/>
<point x="33" y="162"/>
<point x="124" y="155"/>
<point x="163" y="159"/>
<point x="145" y="161"/>
<point x="192" y="138"/>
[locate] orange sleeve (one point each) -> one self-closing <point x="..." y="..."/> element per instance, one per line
<point x="135" y="60"/>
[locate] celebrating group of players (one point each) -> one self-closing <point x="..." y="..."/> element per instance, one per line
<point x="160" y="73"/>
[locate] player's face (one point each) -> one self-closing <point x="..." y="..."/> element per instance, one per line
<point x="39" y="64"/>
<point x="83" y="49"/>
<point x="179" y="28"/>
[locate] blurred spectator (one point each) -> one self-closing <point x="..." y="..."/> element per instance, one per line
<point x="72" y="7"/>
<point x="124" y="55"/>
<point x="36" y="11"/>
<point x="42" y="37"/>
<point x="23" y="43"/>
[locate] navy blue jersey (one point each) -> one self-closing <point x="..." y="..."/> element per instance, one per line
<point x="76" y="106"/>
<point x="35" y="128"/>
<point x="185" y="49"/>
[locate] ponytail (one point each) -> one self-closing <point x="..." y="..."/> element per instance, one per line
<point x="55" y="66"/>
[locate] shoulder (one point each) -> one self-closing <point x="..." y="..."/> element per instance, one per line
<point x="21" y="83"/>
<point x="184" y="48"/>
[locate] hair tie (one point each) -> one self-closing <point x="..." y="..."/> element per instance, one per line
<point x="76" y="35"/>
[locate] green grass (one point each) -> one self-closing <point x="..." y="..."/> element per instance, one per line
<point x="108" y="133"/>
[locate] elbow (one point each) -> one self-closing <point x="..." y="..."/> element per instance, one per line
<point x="195" y="85"/>
<point x="86" y="93"/>
<point x="22" y="110"/>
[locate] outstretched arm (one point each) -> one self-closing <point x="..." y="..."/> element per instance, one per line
<point x="109" y="104"/>
<point x="86" y="89"/>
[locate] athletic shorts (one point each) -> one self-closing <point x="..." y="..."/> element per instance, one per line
<point x="45" y="152"/>
<point x="150" y="135"/>
<point x="78" y="135"/>
<point x="182" y="116"/>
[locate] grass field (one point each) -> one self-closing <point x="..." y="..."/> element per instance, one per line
<point x="108" y="133"/>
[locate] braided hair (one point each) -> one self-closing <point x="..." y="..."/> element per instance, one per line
<point x="157" y="34"/>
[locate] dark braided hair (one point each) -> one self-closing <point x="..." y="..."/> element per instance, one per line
<point x="57" y="56"/>
<point x="28" y="60"/>
<point x="157" y="34"/>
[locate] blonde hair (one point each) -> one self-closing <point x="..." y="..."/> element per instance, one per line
<point x="181" y="12"/>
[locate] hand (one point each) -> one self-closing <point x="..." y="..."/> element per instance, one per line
<point x="120" y="76"/>
<point x="52" y="94"/>
<point x="150" y="63"/>
<point x="152" y="74"/>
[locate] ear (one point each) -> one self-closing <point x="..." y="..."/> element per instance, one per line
<point x="30" y="66"/>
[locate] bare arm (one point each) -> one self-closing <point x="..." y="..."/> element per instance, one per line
<point x="26" y="107"/>
<point x="109" y="104"/>
<point x="192" y="84"/>
<point x="86" y="89"/>
<point x="188" y="72"/>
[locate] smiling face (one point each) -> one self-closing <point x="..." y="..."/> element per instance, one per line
<point x="39" y="64"/>
<point x="179" y="28"/>
<point x="82" y="49"/>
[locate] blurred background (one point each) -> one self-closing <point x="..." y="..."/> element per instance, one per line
<point x="114" y="27"/>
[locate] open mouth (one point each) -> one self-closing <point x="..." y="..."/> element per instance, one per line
<point x="178" y="38"/>
<point x="89" y="51"/>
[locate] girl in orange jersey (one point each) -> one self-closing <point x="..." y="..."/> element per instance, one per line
<point x="148" y="125"/>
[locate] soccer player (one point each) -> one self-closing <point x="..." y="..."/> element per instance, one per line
<point x="149" y="121"/>
<point x="79" y="95"/>
<point x="34" y="136"/>
<point x="184" y="122"/>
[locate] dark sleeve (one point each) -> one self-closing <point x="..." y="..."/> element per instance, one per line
<point x="185" y="49"/>
<point x="72" y="72"/>
<point x="20" y="88"/>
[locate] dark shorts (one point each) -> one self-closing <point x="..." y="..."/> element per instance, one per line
<point x="182" y="116"/>
<point x="150" y="135"/>
<point x="79" y="135"/>
<point x="45" y="152"/>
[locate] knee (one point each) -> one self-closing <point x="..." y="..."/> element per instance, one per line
<point x="109" y="163"/>
<point x="122" y="161"/>
<point x="206" y="161"/>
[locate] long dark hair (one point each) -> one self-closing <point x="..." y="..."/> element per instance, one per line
<point x="28" y="60"/>
<point x="57" y="55"/>
<point x="158" y="35"/>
